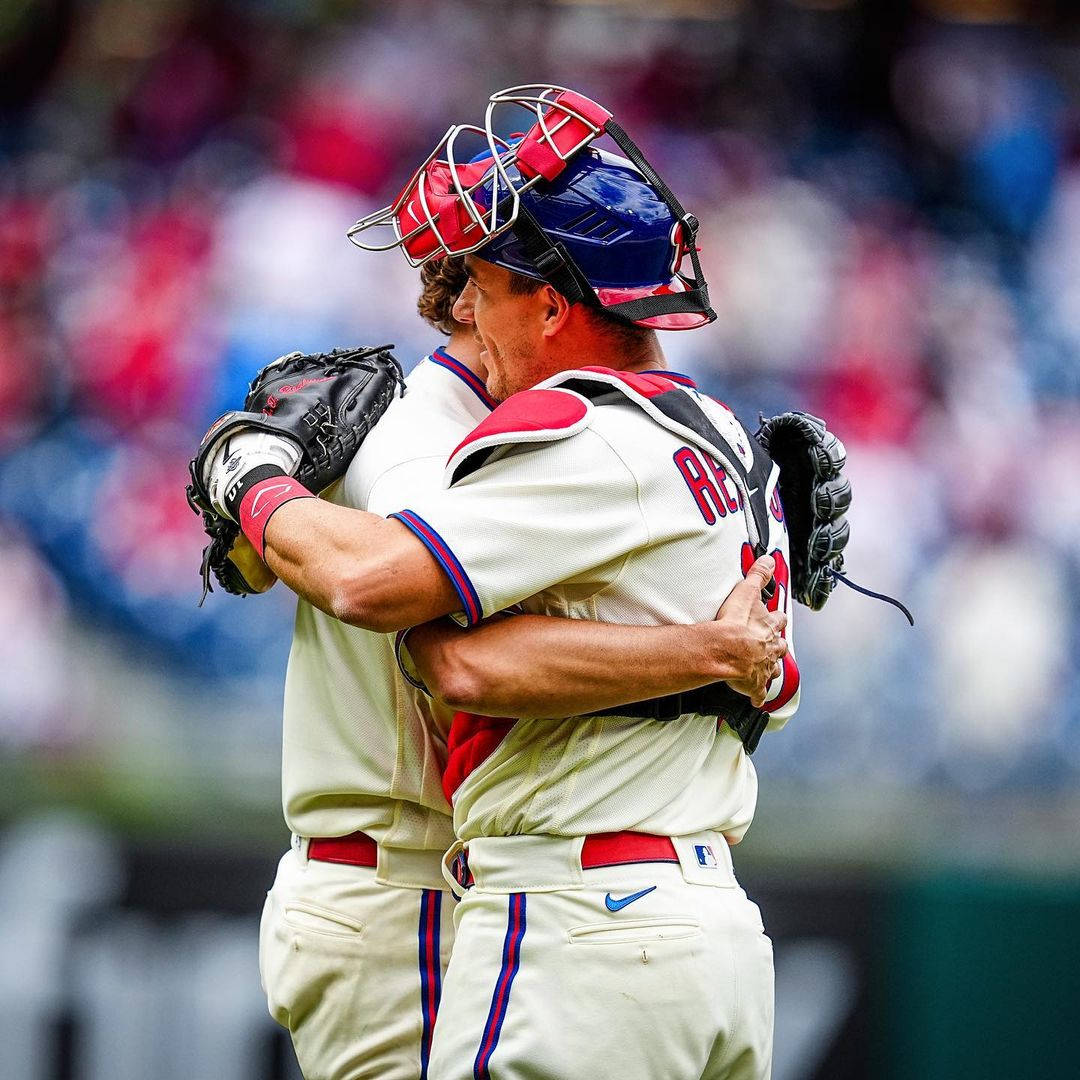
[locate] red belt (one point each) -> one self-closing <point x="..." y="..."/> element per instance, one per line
<point x="600" y="849"/>
<point x="619" y="848"/>
<point x="356" y="849"/>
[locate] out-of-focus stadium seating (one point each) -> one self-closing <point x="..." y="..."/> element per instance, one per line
<point x="891" y="227"/>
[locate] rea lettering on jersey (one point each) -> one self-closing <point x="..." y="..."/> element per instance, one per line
<point x="713" y="491"/>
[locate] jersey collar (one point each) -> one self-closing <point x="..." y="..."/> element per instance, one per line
<point x="473" y="381"/>
<point x="674" y="376"/>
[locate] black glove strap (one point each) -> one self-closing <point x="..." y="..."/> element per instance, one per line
<point x="837" y="576"/>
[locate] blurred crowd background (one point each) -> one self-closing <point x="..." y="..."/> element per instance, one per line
<point x="890" y="204"/>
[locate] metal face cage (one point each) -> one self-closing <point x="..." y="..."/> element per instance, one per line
<point x="436" y="214"/>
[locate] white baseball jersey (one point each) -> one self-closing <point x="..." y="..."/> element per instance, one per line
<point x="361" y="748"/>
<point x="599" y="512"/>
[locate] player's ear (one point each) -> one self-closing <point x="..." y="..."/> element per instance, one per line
<point x="554" y="309"/>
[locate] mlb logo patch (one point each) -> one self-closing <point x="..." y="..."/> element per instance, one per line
<point x="705" y="856"/>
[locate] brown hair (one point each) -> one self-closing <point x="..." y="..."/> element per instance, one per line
<point x="442" y="282"/>
<point x="631" y="341"/>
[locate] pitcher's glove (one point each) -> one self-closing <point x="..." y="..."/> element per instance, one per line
<point x="305" y="415"/>
<point x="815" y="498"/>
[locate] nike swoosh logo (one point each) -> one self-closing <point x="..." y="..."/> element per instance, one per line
<point x="255" y="511"/>
<point x="618" y="905"/>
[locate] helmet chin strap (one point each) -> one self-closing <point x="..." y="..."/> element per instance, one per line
<point x="555" y="264"/>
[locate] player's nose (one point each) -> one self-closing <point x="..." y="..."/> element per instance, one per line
<point x="463" y="306"/>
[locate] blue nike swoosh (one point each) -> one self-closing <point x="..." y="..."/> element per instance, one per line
<point x="618" y="905"/>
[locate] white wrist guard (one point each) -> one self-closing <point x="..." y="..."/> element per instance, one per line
<point x="238" y="453"/>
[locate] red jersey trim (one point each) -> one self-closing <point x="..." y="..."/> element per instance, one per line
<point x="441" y="358"/>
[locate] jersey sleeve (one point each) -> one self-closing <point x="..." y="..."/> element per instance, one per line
<point x="536" y="516"/>
<point x="405" y="483"/>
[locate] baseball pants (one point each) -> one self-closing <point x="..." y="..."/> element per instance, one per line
<point x="353" y="967"/>
<point x="650" y="970"/>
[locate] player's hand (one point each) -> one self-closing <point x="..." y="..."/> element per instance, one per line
<point x="748" y="638"/>
<point x="257" y="574"/>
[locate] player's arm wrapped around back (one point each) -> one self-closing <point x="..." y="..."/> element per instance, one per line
<point x="815" y="497"/>
<point x="305" y="415"/>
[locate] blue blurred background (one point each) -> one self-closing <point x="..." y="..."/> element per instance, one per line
<point x="890" y="204"/>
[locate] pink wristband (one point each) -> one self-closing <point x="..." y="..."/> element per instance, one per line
<point x="260" y="502"/>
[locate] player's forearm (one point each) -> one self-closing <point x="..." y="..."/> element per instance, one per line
<point x="360" y="568"/>
<point x="532" y="666"/>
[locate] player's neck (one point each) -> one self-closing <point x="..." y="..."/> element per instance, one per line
<point x="650" y="357"/>
<point x="464" y="347"/>
<point x="644" y="354"/>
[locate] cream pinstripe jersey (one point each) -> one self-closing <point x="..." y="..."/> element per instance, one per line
<point x="601" y="513"/>
<point x="361" y="748"/>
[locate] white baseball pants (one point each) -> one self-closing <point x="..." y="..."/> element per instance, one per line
<point x="353" y="967"/>
<point x="646" y="971"/>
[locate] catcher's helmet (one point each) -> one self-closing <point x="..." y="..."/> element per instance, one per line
<point x="614" y="226"/>
<point x="602" y="229"/>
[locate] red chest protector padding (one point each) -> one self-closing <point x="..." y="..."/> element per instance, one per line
<point x="471" y="740"/>
<point x="532" y="416"/>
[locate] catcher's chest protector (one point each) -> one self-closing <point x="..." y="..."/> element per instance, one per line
<point x="664" y="401"/>
<point x="675" y="408"/>
<point x="561" y="406"/>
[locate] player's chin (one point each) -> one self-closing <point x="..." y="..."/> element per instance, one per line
<point x="496" y="379"/>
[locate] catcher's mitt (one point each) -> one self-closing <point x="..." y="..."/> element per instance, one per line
<point x="326" y="403"/>
<point x="815" y="498"/>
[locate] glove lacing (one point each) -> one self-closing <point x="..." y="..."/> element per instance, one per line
<point x="837" y="576"/>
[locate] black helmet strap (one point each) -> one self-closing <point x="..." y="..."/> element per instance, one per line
<point x="696" y="298"/>
<point x="552" y="261"/>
